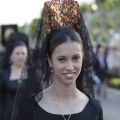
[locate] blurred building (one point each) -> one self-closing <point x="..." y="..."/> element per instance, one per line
<point x="6" y="30"/>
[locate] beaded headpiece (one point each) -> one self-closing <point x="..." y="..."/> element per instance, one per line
<point x="64" y="13"/>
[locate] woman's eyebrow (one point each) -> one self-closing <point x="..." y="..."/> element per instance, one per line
<point x="77" y="55"/>
<point x="60" y="56"/>
<point x="65" y="56"/>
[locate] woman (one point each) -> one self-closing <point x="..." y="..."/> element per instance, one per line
<point x="63" y="100"/>
<point x="101" y="70"/>
<point x="57" y="83"/>
<point x="16" y="54"/>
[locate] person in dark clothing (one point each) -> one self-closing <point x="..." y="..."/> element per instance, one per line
<point x="14" y="59"/>
<point x="62" y="100"/>
<point x="57" y="85"/>
<point x="1" y="57"/>
<point x="101" y="70"/>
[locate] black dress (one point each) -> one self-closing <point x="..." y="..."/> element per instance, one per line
<point x="92" y="111"/>
<point x="30" y="110"/>
<point x="8" y="90"/>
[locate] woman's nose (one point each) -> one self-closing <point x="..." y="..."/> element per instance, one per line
<point x="69" y="66"/>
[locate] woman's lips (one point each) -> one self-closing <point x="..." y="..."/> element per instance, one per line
<point x="69" y="75"/>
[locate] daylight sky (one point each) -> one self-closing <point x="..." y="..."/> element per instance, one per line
<point x="21" y="11"/>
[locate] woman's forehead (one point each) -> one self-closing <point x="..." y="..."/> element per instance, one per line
<point x="19" y="48"/>
<point x="68" y="48"/>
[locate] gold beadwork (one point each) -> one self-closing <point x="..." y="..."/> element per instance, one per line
<point x="65" y="13"/>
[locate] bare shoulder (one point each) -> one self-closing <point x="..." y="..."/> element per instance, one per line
<point x="46" y="98"/>
<point x="82" y="97"/>
<point x="81" y="102"/>
<point x="46" y="101"/>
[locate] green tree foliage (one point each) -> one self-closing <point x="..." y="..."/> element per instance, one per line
<point x="108" y="4"/>
<point x="106" y="18"/>
<point x="86" y="7"/>
<point x="96" y="22"/>
<point x="32" y="26"/>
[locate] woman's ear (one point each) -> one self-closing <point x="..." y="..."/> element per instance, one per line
<point x="49" y="60"/>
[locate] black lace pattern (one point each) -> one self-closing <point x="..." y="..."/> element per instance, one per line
<point x="35" y="76"/>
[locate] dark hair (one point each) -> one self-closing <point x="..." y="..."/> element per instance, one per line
<point x="57" y="37"/>
<point x="15" y="40"/>
<point x="60" y="36"/>
<point x="98" y="47"/>
<point x="16" y="37"/>
<point x="16" y="44"/>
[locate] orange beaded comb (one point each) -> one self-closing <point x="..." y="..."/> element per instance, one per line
<point x="62" y="13"/>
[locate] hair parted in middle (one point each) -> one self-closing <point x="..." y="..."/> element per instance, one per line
<point x="60" y="36"/>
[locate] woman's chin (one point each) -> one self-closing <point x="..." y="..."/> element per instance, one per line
<point x="19" y="64"/>
<point x="69" y="81"/>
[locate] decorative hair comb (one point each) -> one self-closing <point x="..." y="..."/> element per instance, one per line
<point x="62" y="13"/>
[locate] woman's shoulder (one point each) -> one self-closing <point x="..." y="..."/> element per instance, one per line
<point x="96" y="104"/>
<point x="25" y="107"/>
<point x="4" y="71"/>
<point x="4" y="74"/>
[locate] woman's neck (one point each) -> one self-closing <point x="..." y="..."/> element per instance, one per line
<point x="15" y="72"/>
<point x="62" y="92"/>
<point x="16" y="67"/>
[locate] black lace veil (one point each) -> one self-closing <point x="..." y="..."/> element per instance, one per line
<point x="35" y="75"/>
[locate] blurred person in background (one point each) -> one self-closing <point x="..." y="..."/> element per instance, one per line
<point x="101" y="70"/>
<point x="6" y="30"/>
<point x="14" y="58"/>
<point x="1" y="54"/>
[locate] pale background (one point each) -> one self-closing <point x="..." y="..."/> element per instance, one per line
<point x="22" y="11"/>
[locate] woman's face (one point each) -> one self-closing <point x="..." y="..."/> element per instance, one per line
<point x="101" y="52"/>
<point x="19" y="55"/>
<point x="66" y="61"/>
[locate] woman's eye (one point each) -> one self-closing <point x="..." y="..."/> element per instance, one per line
<point x="76" y="58"/>
<point x="17" y="53"/>
<point x="23" y="53"/>
<point x="61" y="59"/>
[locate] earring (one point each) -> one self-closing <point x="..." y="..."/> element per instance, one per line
<point x="51" y="69"/>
